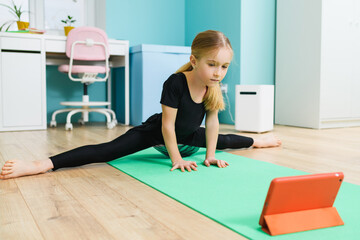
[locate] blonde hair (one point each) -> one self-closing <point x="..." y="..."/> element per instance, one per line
<point x="202" y="44"/>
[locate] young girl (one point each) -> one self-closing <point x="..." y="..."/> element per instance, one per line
<point x="187" y="96"/>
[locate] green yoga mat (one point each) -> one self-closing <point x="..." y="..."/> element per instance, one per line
<point x="239" y="189"/>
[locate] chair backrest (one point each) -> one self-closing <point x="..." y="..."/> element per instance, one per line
<point x="87" y="52"/>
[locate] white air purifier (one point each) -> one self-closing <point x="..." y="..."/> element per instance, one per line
<point x="254" y="108"/>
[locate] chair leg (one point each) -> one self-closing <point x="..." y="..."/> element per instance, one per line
<point x="110" y="124"/>
<point x="53" y="116"/>
<point x="68" y="125"/>
<point x="113" y="115"/>
<point x="85" y="114"/>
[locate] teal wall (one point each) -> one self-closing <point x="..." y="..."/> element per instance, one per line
<point x="146" y="21"/>
<point x="249" y="24"/>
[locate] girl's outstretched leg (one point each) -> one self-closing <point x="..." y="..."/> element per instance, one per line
<point x="233" y="141"/>
<point x="18" y="168"/>
<point x="130" y="142"/>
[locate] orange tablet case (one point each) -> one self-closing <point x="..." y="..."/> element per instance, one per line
<point x="301" y="203"/>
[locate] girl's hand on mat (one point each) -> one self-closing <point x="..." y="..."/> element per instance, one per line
<point x="182" y="165"/>
<point x="213" y="161"/>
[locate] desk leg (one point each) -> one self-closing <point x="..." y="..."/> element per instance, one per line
<point x="127" y="90"/>
<point x="109" y="90"/>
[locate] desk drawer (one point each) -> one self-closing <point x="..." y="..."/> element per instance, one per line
<point x="55" y="45"/>
<point x="117" y="49"/>
<point x="20" y="44"/>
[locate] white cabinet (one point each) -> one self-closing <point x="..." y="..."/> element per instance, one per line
<point x="22" y="86"/>
<point x="318" y="63"/>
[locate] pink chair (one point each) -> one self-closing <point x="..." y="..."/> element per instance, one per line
<point x="88" y="45"/>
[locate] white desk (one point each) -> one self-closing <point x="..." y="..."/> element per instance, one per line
<point x="23" y="60"/>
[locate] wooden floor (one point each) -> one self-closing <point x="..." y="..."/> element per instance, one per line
<point x="99" y="202"/>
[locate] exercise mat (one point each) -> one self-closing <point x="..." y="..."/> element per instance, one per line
<point x="234" y="196"/>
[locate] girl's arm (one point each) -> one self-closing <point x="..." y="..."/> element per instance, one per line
<point x="168" y="131"/>
<point x="212" y="132"/>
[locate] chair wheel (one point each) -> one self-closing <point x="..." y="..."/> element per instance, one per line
<point x="110" y="125"/>
<point x="68" y="126"/>
<point x="52" y="123"/>
<point x="81" y="121"/>
<point x="115" y="122"/>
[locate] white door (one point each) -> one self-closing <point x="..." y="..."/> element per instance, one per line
<point x="337" y="58"/>
<point x="355" y="83"/>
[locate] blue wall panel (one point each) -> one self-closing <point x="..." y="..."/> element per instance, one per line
<point x="257" y="42"/>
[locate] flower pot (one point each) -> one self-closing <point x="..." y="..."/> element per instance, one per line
<point x="22" y="25"/>
<point x="67" y="29"/>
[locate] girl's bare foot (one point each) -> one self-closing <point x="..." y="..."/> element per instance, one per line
<point x="266" y="141"/>
<point x="18" y="168"/>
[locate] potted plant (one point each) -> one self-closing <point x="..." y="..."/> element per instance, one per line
<point x="68" y="23"/>
<point x="17" y="12"/>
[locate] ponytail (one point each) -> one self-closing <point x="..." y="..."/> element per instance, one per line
<point x="213" y="99"/>
<point x="185" y="68"/>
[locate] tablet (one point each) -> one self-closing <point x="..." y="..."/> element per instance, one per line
<point x="300" y="193"/>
